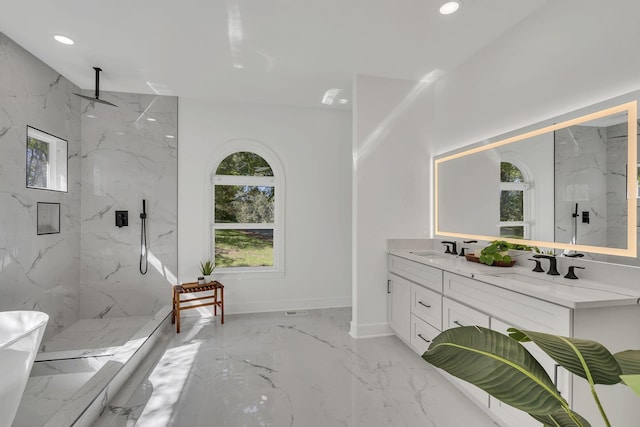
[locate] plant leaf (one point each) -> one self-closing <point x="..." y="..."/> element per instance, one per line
<point x="629" y="361"/>
<point x="497" y="364"/>
<point x="633" y="381"/>
<point x="562" y="419"/>
<point x="568" y="352"/>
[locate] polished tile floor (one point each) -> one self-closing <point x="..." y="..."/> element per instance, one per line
<point x="272" y="370"/>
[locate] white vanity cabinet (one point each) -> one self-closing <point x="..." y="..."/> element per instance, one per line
<point x="433" y="299"/>
<point x="415" y="302"/>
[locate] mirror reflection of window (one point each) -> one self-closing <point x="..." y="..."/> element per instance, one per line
<point x="514" y="209"/>
<point x="46" y="161"/>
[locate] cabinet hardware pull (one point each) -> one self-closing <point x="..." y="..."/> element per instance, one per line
<point x="388" y="286"/>
<point x="458" y="323"/>
<point x="423" y="338"/>
<point x="426" y="305"/>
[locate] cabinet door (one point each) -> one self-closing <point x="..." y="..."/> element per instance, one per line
<point x="508" y="414"/>
<point x="456" y="315"/>
<point x="422" y="334"/>
<point x="400" y="306"/>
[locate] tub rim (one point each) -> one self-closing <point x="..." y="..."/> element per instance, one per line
<point x="39" y="324"/>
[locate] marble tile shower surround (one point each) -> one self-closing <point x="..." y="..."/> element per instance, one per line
<point x="127" y="158"/>
<point x="267" y="369"/>
<point x="37" y="272"/>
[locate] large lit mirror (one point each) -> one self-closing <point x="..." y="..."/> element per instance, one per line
<point x="569" y="184"/>
<point x="46" y="161"/>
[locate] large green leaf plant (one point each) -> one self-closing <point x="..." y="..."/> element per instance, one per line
<point x="502" y="367"/>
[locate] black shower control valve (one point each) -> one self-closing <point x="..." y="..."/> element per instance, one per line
<point x="585" y="217"/>
<point x="122" y="219"/>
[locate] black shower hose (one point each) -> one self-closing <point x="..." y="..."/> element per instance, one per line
<point x="144" y="261"/>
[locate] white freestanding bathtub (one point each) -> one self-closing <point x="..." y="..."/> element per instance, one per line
<point x="20" y="336"/>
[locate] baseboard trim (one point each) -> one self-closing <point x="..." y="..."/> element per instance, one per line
<point x="270" y="306"/>
<point x="370" y="330"/>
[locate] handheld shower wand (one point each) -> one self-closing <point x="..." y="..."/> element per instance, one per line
<point x="144" y="261"/>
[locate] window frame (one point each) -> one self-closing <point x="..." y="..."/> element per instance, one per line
<point x="527" y="201"/>
<point x="277" y="181"/>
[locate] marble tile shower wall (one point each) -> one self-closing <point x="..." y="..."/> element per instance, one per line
<point x="37" y="272"/>
<point x="128" y="154"/>
<point x="116" y="157"/>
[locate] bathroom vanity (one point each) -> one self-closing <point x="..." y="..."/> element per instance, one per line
<point x="429" y="292"/>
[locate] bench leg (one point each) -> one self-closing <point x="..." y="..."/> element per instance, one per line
<point x="178" y="314"/>
<point x="173" y="307"/>
<point x="221" y="306"/>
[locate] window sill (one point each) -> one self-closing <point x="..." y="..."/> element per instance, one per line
<point x="247" y="274"/>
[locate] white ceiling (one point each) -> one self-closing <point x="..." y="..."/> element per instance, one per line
<point x="266" y="51"/>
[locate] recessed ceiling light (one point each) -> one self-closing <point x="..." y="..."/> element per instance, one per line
<point x="151" y="119"/>
<point x="449" y="7"/>
<point x="170" y="136"/>
<point x="91" y="116"/>
<point x="63" y="39"/>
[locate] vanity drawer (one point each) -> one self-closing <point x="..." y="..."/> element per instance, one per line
<point x="427" y="305"/>
<point x="422" y="334"/>
<point x="456" y="315"/>
<point x="419" y="273"/>
<point x="512" y="307"/>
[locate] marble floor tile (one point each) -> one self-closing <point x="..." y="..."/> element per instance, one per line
<point x="95" y="333"/>
<point x="270" y="370"/>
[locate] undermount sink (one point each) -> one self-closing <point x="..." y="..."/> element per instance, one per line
<point x="527" y="280"/>
<point x="432" y="256"/>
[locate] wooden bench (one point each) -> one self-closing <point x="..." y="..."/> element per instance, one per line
<point x="216" y="299"/>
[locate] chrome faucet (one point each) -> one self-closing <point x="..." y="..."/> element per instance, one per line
<point x="553" y="264"/>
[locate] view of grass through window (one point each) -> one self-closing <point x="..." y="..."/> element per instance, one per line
<point x="244" y="248"/>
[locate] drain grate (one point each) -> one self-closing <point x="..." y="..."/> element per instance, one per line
<point x="296" y="313"/>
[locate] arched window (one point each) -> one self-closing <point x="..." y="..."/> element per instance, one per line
<point x="246" y="231"/>
<point x="514" y="202"/>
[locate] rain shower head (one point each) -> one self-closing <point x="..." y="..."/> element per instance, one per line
<point x="97" y="96"/>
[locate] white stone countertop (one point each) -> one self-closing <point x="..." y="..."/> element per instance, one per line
<point x="569" y="293"/>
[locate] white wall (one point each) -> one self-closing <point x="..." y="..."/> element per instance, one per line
<point x="566" y="55"/>
<point x="391" y="179"/>
<point x="313" y="146"/>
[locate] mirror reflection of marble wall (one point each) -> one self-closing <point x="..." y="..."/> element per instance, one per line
<point x="591" y="170"/>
